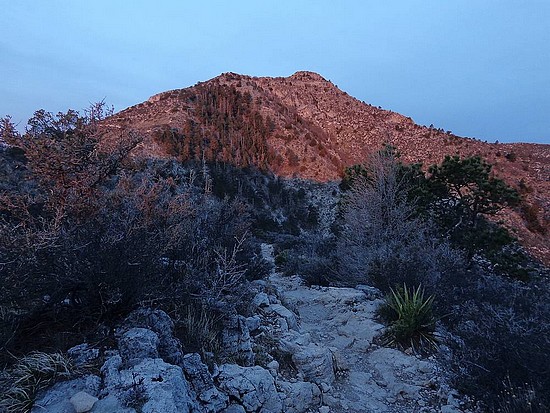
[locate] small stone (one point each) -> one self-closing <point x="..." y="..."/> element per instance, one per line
<point x="325" y="388"/>
<point x="253" y="323"/>
<point x="260" y="300"/>
<point x="273" y="366"/>
<point x="324" y="409"/>
<point x="83" y="402"/>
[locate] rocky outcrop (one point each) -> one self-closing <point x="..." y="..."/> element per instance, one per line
<point x="254" y="388"/>
<point x="314" y="350"/>
<point x="236" y="342"/>
<point x="161" y="324"/>
<point x="212" y="399"/>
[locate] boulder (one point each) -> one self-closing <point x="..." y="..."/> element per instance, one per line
<point x="260" y="300"/>
<point x="315" y="362"/>
<point x="253" y="323"/>
<point x="151" y="385"/>
<point x="202" y="384"/>
<point x="300" y="397"/>
<point x="235" y="340"/>
<point x="285" y="313"/>
<point x="160" y="323"/>
<point x="253" y="387"/>
<point x="137" y="344"/>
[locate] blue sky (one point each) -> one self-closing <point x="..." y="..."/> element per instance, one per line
<point x="478" y="68"/>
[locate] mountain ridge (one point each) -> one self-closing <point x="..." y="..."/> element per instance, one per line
<point x="304" y="126"/>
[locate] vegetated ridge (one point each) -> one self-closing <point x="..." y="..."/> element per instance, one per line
<point x="304" y="126"/>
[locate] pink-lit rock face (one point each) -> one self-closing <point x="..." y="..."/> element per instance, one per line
<point x="311" y="129"/>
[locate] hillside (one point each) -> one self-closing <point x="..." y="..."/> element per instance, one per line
<point x="304" y="126"/>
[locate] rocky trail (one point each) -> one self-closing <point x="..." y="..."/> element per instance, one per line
<point x="300" y="350"/>
<point x="367" y="378"/>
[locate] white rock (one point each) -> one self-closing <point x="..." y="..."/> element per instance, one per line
<point x="284" y="312"/>
<point x="137" y="344"/>
<point x="253" y="387"/>
<point x="315" y="363"/>
<point x="162" y="386"/>
<point x="83" y="402"/>
<point x="300" y="397"/>
<point x="260" y="300"/>
<point x="253" y="323"/>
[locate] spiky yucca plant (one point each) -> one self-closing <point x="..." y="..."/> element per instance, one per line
<point x="410" y="317"/>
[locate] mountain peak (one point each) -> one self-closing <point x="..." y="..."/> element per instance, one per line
<point x="304" y="126"/>
<point x="307" y="75"/>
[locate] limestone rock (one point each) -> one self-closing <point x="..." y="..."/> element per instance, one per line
<point x="236" y="341"/>
<point x="253" y="387"/>
<point x="83" y="354"/>
<point x="234" y="408"/>
<point x="315" y="363"/>
<point x="137" y="344"/>
<point x="300" y="397"/>
<point x="160" y="323"/>
<point x="202" y="384"/>
<point x="253" y="323"/>
<point x="152" y="384"/>
<point x="56" y="398"/>
<point x="260" y="300"/>
<point x="372" y="293"/>
<point x="285" y="313"/>
<point x="83" y="402"/>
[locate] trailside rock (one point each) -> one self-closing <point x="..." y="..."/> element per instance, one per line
<point x="137" y="344"/>
<point x="236" y="342"/>
<point x="83" y="402"/>
<point x="160" y="323"/>
<point x="202" y="384"/>
<point x="300" y="397"/>
<point x="285" y="313"/>
<point x="315" y="363"/>
<point x="56" y="399"/>
<point x="83" y="354"/>
<point x="253" y="387"/>
<point x="153" y="385"/>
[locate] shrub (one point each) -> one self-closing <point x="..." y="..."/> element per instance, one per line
<point x="503" y="337"/>
<point x="410" y="317"/>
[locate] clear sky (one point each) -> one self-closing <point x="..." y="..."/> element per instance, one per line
<point x="480" y="68"/>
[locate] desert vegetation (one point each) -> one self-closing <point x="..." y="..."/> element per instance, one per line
<point x="401" y="228"/>
<point x="89" y="232"/>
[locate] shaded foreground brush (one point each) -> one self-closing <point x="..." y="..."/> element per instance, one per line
<point x="31" y="374"/>
<point x="410" y="317"/>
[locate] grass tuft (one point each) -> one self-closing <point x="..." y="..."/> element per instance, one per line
<point x="20" y="384"/>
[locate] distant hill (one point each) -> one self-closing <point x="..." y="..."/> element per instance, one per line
<point x="304" y="126"/>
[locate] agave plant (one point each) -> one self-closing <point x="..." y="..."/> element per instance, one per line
<point x="410" y="317"/>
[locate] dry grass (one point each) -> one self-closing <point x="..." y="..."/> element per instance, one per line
<point x="20" y="384"/>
